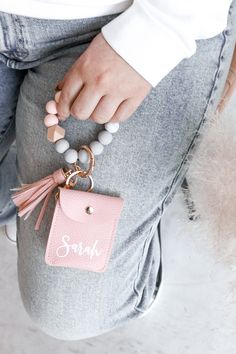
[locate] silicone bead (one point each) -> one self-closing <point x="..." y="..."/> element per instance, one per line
<point x="112" y="127"/>
<point x="51" y="107"/>
<point x="57" y="96"/>
<point x="62" y="145"/>
<point x="96" y="147"/>
<point x="50" y="120"/>
<point x="55" y="133"/>
<point x="105" y="137"/>
<point x="83" y="156"/>
<point x="71" y="155"/>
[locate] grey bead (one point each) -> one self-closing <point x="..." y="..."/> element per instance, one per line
<point x="105" y="137"/>
<point x="96" y="147"/>
<point x="83" y="156"/>
<point x="62" y="145"/>
<point x="71" y="155"/>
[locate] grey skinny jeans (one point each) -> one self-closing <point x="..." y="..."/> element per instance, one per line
<point x="145" y="164"/>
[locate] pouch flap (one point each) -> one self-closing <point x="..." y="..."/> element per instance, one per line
<point x="75" y="202"/>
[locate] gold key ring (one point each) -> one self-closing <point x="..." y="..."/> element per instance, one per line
<point x="67" y="185"/>
<point x="88" y="172"/>
<point x="67" y="173"/>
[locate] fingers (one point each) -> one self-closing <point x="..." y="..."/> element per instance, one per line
<point x="89" y="103"/>
<point x="85" y="102"/>
<point x="105" y="109"/>
<point x="59" y="85"/>
<point x="71" y="87"/>
<point x="124" y="111"/>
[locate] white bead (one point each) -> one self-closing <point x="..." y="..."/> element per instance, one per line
<point x="71" y="155"/>
<point x="105" y="137"/>
<point x="96" y="147"/>
<point x="62" y="145"/>
<point x="83" y="156"/>
<point x="112" y="127"/>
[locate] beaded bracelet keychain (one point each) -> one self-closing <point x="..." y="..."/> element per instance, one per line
<point x="57" y="133"/>
<point x="89" y="218"/>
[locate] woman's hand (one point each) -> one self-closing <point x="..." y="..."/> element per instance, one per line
<point x="101" y="85"/>
<point x="230" y="84"/>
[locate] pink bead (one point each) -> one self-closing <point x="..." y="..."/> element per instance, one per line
<point x="51" y="107"/>
<point x="57" y="96"/>
<point x="55" y="133"/>
<point x="50" y="119"/>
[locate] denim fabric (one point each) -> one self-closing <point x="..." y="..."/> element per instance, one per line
<point x="145" y="163"/>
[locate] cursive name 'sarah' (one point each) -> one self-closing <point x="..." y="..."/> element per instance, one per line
<point x="79" y="248"/>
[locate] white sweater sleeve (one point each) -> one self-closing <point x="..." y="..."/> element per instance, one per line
<point x="153" y="36"/>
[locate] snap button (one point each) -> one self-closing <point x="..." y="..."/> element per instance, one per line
<point x="89" y="210"/>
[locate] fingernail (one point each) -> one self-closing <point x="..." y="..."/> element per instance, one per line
<point x="58" y="87"/>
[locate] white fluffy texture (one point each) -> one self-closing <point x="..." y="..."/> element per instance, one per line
<point x="212" y="183"/>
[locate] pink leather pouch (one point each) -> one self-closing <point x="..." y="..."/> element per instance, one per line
<point x="83" y="229"/>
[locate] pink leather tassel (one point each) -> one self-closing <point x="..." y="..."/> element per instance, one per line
<point x="28" y="196"/>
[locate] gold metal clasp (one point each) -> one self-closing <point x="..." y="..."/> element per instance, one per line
<point x="67" y="185"/>
<point x="67" y="174"/>
<point x="88" y="172"/>
<point x="79" y="172"/>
